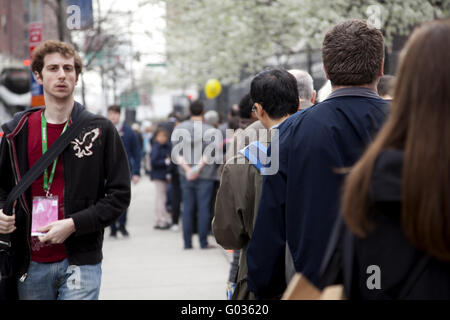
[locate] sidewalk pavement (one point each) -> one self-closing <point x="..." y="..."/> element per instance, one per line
<point x="152" y="264"/>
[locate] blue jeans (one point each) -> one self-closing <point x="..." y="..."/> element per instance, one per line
<point x="61" y="281"/>
<point x="196" y="192"/>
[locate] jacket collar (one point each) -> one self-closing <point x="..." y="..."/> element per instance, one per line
<point x="77" y="110"/>
<point x="12" y="127"/>
<point x="354" y="91"/>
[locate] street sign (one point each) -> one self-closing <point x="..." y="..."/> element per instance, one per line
<point x="86" y="14"/>
<point x="35" y="38"/>
<point x="162" y="64"/>
<point x="35" y="32"/>
<point x="129" y="99"/>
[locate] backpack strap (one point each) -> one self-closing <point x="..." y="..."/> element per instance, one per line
<point x="256" y="154"/>
<point x="414" y="276"/>
<point x="331" y="270"/>
<point x="337" y="265"/>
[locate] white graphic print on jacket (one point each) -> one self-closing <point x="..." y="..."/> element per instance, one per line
<point x="83" y="147"/>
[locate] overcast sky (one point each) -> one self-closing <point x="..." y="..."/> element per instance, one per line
<point x="147" y="26"/>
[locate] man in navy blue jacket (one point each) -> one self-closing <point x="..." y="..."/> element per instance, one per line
<point x="300" y="202"/>
<point x="133" y="150"/>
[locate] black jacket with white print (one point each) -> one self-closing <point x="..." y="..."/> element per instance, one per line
<point x="96" y="186"/>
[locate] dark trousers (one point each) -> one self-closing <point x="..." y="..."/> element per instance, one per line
<point x="119" y="223"/>
<point x="175" y="199"/>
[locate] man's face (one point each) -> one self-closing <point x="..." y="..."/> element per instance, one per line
<point x="58" y="76"/>
<point x="114" y="117"/>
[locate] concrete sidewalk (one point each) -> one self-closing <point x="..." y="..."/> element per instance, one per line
<point x="152" y="264"/>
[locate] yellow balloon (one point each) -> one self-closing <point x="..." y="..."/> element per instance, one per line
<point x="212" y="88"/>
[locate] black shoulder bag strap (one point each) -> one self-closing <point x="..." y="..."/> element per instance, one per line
<point x="414" y="276"/>
<point x="332" y="267"/>
<point x="337" y="264"/>
<point x="47" y="158"/>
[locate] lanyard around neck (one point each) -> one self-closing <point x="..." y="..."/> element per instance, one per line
<point x="48" y="181"/>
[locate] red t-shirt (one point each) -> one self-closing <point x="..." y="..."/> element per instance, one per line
<point x="41" y="252"/>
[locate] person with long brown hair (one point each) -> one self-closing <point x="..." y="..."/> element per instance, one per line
<point x="396" y="199"/>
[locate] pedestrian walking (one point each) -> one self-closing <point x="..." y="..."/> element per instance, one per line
<point x="131" y="144"/>
<point x="160" y="160"/>
<point x="173" y="202"/>
<point x="87" y="187"/>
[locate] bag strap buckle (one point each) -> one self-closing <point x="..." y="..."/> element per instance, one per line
<point x="6" y="244"/>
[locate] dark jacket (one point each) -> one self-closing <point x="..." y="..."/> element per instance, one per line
<point x="299" y="204"/>
<point x="158" y="155"/>
<point x="96" y="186"/>
<point x="131" y="143"/>
<point x="236" y="208"/>
<point x="387" y="247"/>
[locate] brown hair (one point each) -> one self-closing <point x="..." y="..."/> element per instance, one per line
<point x="52" y="46"/>
<point x="114" y="108"/>
<point x="418" y="125"/>
<point x="352" y="53"/>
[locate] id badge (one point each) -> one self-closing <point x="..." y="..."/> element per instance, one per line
<point x="45" y="211"/>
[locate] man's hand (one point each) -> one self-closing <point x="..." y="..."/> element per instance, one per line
<point x="135" y="179"/>
<point x="58" y="231"/>
<point x="192" y="173"/>
<point x="7" y="223"/>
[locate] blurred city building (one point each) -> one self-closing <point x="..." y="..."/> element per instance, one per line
<point x="15" y="17"/>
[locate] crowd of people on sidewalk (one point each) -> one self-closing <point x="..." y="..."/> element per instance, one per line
<point x="350" y="187"/>
<point x="353" y="200"/>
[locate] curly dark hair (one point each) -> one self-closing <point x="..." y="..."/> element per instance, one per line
<point x="52" y="46"/>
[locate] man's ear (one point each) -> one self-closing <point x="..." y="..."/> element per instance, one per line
<point x="326" y="73"/>
<point x="38" y="77"/>
<point x="313" y="98"/>
<point x="380" y="72"/>
<point x="259" y="110"/>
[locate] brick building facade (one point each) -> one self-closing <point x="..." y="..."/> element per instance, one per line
<point x="14" y="19"/>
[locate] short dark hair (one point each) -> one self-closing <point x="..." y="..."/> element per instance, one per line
<point x="352" y="53"/>
<point x="196" y="107"/>
<point x="245" y="107"/>
<point x="386" y="85"/>
<point x="114" y="108"/>
<point x="276" y="90"/>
